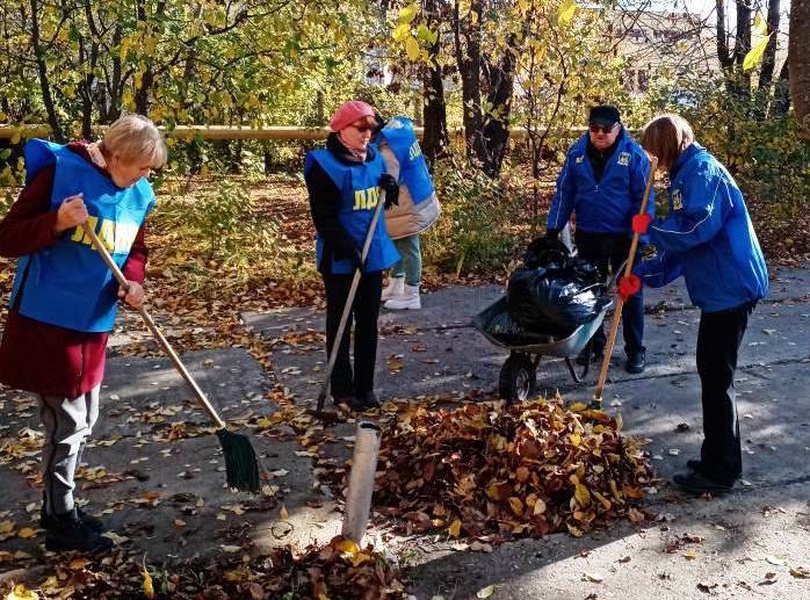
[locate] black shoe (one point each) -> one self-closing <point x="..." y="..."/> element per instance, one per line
<point x="699" y="466"/>
<point x="636" y="362"/>
<point x="697" y="483"/>
<point x="90" y="521"/>
<point x="695" y="464"/>
<point x="369" y="401"/>
<point x="67" y="532"/>
<point x="93" y="524"/>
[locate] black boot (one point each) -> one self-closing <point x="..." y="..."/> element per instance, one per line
<point x="350" y="402"/>
<point x="67" y="532"/>
<point x="92" y="523"/>
<point x="368" y="401"/>
<point x="636" y="362"/>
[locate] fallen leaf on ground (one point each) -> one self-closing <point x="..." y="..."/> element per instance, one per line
<point x="485" y="592"/>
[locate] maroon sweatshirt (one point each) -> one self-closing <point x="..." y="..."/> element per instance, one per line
<point x="39" y="357"/>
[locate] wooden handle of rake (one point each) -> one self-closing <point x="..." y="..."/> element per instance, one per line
<point x="628" y="269"/>
<point x="164" y="343"/>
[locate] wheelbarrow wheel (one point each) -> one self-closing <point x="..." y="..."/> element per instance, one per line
<point x="518" y="378"/>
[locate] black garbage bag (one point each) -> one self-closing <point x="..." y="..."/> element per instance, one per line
<point x="548" y="253"/>
<point x="503" y="327"/>
<point x="554" y="293"/>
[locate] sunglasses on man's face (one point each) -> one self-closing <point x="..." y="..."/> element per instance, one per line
<point x="363" y="128"/>
<point x="606" y="129"/>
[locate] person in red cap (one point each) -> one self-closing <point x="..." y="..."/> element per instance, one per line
<point x="344" y="181"/>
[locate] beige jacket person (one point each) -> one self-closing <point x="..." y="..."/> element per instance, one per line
<point x="407" y="218"/>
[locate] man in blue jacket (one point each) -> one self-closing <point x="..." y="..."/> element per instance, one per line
<point x="602" y="182"/>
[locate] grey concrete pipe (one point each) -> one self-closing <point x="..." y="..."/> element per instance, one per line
<point x="361" y="481"/>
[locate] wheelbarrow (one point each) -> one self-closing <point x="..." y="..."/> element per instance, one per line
<point x="518" y="377"/>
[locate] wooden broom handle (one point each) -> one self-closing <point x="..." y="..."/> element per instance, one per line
<point x="628" y="269"/>
<point x="150" y="323"/>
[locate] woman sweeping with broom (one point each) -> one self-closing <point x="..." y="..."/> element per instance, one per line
<point x="64" y="301"/>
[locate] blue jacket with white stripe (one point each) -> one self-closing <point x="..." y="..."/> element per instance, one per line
<point x="707" y="236"/>
<point x="607" y="205"/>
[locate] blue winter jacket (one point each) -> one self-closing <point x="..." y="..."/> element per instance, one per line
<point x="609" y="205"/>
<point x="707" y="236"/>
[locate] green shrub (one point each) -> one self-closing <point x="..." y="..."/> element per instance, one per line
<point x="221" y="218"/>
<point x="769" y="160"/>
<point x="471" y="234"/>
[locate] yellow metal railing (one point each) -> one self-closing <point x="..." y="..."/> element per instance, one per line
<point x="232" y="132"/>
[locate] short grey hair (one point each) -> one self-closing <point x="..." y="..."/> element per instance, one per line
<point x="134" y="138"/>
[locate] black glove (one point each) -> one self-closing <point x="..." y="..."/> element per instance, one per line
<point x="357" y="260"/>
<point x="380" y="123"/>
<point x="391" y="188"/>
<point x="552" y="234"/>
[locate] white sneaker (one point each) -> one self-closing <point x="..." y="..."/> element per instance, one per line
<point x="394" y="289"/>
<point x="408" y="300"/>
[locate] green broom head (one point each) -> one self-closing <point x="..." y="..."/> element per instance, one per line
<point x="241" y="466"/>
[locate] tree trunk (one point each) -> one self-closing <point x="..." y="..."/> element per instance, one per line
<point x="496" y="125"/>
<point x="723" y="53"/>
<point x="741" y="85"/>
<point x="144" y="89"/>
<point x="111" y="108"/>
<point x="44" y="83"/>
<point x="799" y="61"/>
<point x="738" y="83"/>
<point x="764" y="104"/>
<point x="147" y="84"/>
<point x="781" y="96"/>
<point x="468" y="60"/>
<point x="769" y="58"/>
<point x="435" y="140"/>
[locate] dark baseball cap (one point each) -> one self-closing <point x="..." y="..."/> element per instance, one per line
<point x="604" y="115"/>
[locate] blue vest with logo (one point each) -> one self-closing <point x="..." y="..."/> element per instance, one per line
<point x="413" y="167"/>
<point x="359" y="194"/>
<point x="68" y="284"/>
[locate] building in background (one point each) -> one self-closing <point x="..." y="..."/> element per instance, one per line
<point x="659" y="45"/>
<point x="662" y="46"/>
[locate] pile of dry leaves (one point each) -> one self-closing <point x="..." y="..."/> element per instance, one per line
<point x="338" y="571"/>
<point x="498" y="471"/>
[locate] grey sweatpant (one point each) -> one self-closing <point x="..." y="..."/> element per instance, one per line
<point x="68" y="423"/>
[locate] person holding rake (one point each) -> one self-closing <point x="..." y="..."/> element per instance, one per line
<point x="707" y="237"/>
<point x="346" y="181"/>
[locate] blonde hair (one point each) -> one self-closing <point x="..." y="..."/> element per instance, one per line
<point x="133" y="138"/>
<point x="666" y="136"/>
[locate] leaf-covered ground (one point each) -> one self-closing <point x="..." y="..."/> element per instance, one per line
<point x="339" y="570"/>
<point x="479" y="473"/>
